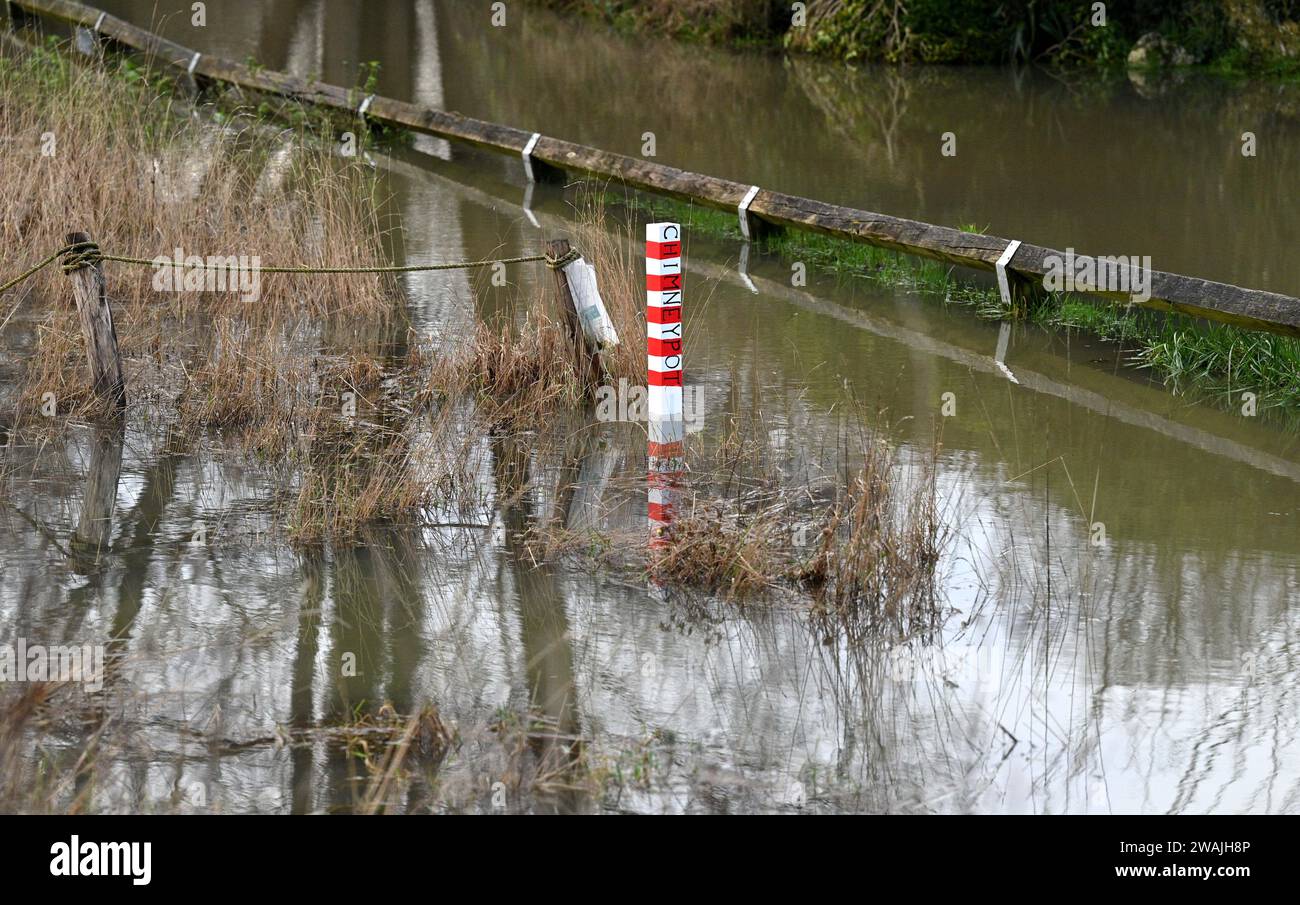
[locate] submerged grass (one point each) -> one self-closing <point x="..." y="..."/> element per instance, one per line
<point x="862" y="544"/>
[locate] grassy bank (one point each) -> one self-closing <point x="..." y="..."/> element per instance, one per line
<point x="1213" y="362"/>
<point x="1257" y="36"/>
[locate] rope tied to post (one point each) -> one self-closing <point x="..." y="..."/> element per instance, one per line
<point x="562" y="261"/>
<point x="77" y="255"/>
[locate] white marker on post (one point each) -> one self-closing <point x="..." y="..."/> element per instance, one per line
<point x="1004" y="285"/>
<point x="592" y="315"/>
<point x="743" y="210"/>
<point x="528" y="157"/>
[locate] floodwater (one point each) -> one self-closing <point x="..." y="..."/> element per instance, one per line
<point x="1125" y="576"/>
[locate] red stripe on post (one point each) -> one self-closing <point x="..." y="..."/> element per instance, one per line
<point x="671" y="450"/>
<point x="665" y="314"/>
<point x="665" y="378"/>
<point x="663" y="347"/>
<point x="661" y="512"/>
<point x="662" y="251"/>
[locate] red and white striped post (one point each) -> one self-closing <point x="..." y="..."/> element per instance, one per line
<point x="663" y="282"/>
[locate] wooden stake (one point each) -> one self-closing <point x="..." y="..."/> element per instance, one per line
<point x="590" y="367"/>
<point x="91" y="294"/>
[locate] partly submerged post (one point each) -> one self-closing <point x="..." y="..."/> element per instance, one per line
<point x="91" y="293"/>
<point x="665" y="424"/>
<point x="590" y="329"/>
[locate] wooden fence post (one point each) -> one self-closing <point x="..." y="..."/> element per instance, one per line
<point x="586" y="354"/>
<point x="91" y="294"/>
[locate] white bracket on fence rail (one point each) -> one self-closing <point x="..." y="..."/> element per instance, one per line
<point x="1004" y="287"/>
<point x="365" y="105"/>
<point x="743" y="209"/>
<point x="100" y="21"/>
<point x="194" y="62"/>
<point x="528" y="156"/>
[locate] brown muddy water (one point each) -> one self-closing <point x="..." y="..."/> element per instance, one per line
<point x="1152" y="672"/>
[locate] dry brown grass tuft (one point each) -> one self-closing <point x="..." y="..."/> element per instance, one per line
<point x="132" y="167"/>
<point x="734" y="554"/>
<point x="518" y="377"/>
<point x="866" y="546"/>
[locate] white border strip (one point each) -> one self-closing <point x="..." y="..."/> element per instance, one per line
<point x="743" y="210"/>
<point x="1003" y="286"/>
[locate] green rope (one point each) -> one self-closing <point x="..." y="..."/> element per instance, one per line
<point x="81" y="254"/>
<point x="563" y="260"/>
<point x="18" y="279"/>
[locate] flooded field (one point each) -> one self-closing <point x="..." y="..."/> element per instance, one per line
<point x="1121" y="583"/>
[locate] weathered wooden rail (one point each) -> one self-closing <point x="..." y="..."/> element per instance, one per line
<point x="1223" y="302"/>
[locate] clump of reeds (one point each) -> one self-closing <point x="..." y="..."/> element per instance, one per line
<point x="866" y="545"/>
<point x="876" y="556"/>
<point x="517" y="377"/>
<point x="736" y="554"/>
<point x="421" y="739"/>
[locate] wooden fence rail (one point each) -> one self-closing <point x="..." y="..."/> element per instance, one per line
<point x="1222" y="302"/>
